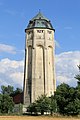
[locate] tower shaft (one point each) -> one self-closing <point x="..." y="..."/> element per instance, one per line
<point x="39" y="74"/>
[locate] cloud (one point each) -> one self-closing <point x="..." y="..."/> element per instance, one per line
<point x="12" y="71"/>
<point x="66" y="67"/>
<point x="7" y="49"/>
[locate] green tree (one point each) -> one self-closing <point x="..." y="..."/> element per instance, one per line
<point x="6" y="103"/>
<point x="6" y="98"/>
<point x="78" y="77"/>
<point x="7" y="89"/>
<point x="32" y="108"/>
<point x="73" y="108"/>
<point x="10" y="90"/>
<point x="68" y="99"/>
<point x="17" y="91"/>
<point x="61" y="96"/>
<point x="43" y="104"/>
<point x="0" y="101"/>
<point x="53" y="105"/>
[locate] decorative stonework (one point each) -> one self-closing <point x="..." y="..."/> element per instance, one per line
<point x="30" y="35"/>
<point x="40" y="34"/>
<point x="49" y="34"/>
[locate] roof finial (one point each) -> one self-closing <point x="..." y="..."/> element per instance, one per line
<point x="39" y="10"/>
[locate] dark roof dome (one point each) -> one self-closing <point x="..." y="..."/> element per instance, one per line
<point x="39" y="21"/>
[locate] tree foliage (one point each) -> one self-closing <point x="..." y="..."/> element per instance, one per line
<point x="43" y="104"/>
<point x="73" y="107"/>
<point x="53" y="105"/>
<point x="32" y="108"/>
<point x="6" y="103"/>
<point x="68" y="99"/>
<point x="7" y="89"/>
<point x="61" y="96"/>
<point x="78" y="77"/>
<point x="6" y="100"/>
<point x="17" y="91"/>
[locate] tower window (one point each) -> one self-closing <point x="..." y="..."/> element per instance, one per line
<point x="29" y="32"/>
<point x="49" y="32"/>
<point x="37" y="22"/>
<point x="40" y="31"/>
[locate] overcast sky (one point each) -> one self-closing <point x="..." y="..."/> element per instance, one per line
<point x="14" y="18"/>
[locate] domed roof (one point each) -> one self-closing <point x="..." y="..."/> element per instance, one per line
<point x="39" y="21"/>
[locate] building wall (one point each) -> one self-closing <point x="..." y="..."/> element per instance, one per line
<point x="39" y="74"/>
<point x="40" y="69"/>
<point x="17" y="99"/>
<point x="50" y="70"/>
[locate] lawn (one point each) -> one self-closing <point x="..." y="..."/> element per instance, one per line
<point x="35" y="118"/>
